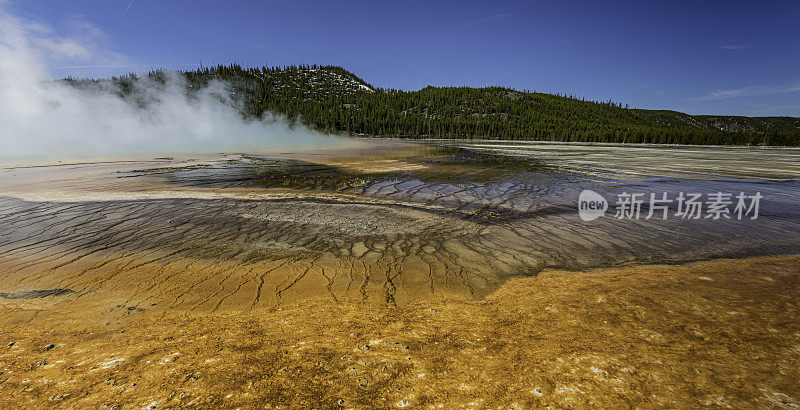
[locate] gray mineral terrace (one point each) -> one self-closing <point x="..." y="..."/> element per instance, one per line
<point x="388" y="221"/>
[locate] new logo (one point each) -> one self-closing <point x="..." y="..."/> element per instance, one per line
<point x="591" y="205"/>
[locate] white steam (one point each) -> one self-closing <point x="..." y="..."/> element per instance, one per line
<point x="45" y="119"/>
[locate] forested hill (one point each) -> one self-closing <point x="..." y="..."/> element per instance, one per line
<point x="332" y="99"/>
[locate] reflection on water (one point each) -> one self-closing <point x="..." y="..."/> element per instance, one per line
<point x="392" y="221"/>
<point x="620" y="161"/>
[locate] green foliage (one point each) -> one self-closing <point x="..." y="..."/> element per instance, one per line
<point x="332" y="99"/>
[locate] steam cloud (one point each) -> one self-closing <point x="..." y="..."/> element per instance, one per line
<point x="45" y="119"/>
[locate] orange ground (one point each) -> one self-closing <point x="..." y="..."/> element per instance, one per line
<point x="715" y="333"/>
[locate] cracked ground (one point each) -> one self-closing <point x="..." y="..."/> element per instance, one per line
<point x="396" y="275"/>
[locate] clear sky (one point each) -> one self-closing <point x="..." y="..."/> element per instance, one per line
<point x="701" y="57"/>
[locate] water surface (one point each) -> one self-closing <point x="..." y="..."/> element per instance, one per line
<point x="388" y="221"/>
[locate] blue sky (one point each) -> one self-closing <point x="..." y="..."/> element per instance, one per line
<point x="701" y="57"/>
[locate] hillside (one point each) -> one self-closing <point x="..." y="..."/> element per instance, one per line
<point x="333" y="99"/>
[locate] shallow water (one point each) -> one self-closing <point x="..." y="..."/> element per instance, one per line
<point x="389" y="221"/>
<point x="393" y="275"/>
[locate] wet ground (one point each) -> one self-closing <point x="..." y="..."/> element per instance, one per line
<point x="720" y="333"/>
<point x="389" y="222"/>
<point x="380" y="230"/>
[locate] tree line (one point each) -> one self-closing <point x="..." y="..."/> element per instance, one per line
<point x="332" y="99"/>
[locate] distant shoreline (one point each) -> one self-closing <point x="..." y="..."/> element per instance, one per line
<point x="609" y="144"/>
